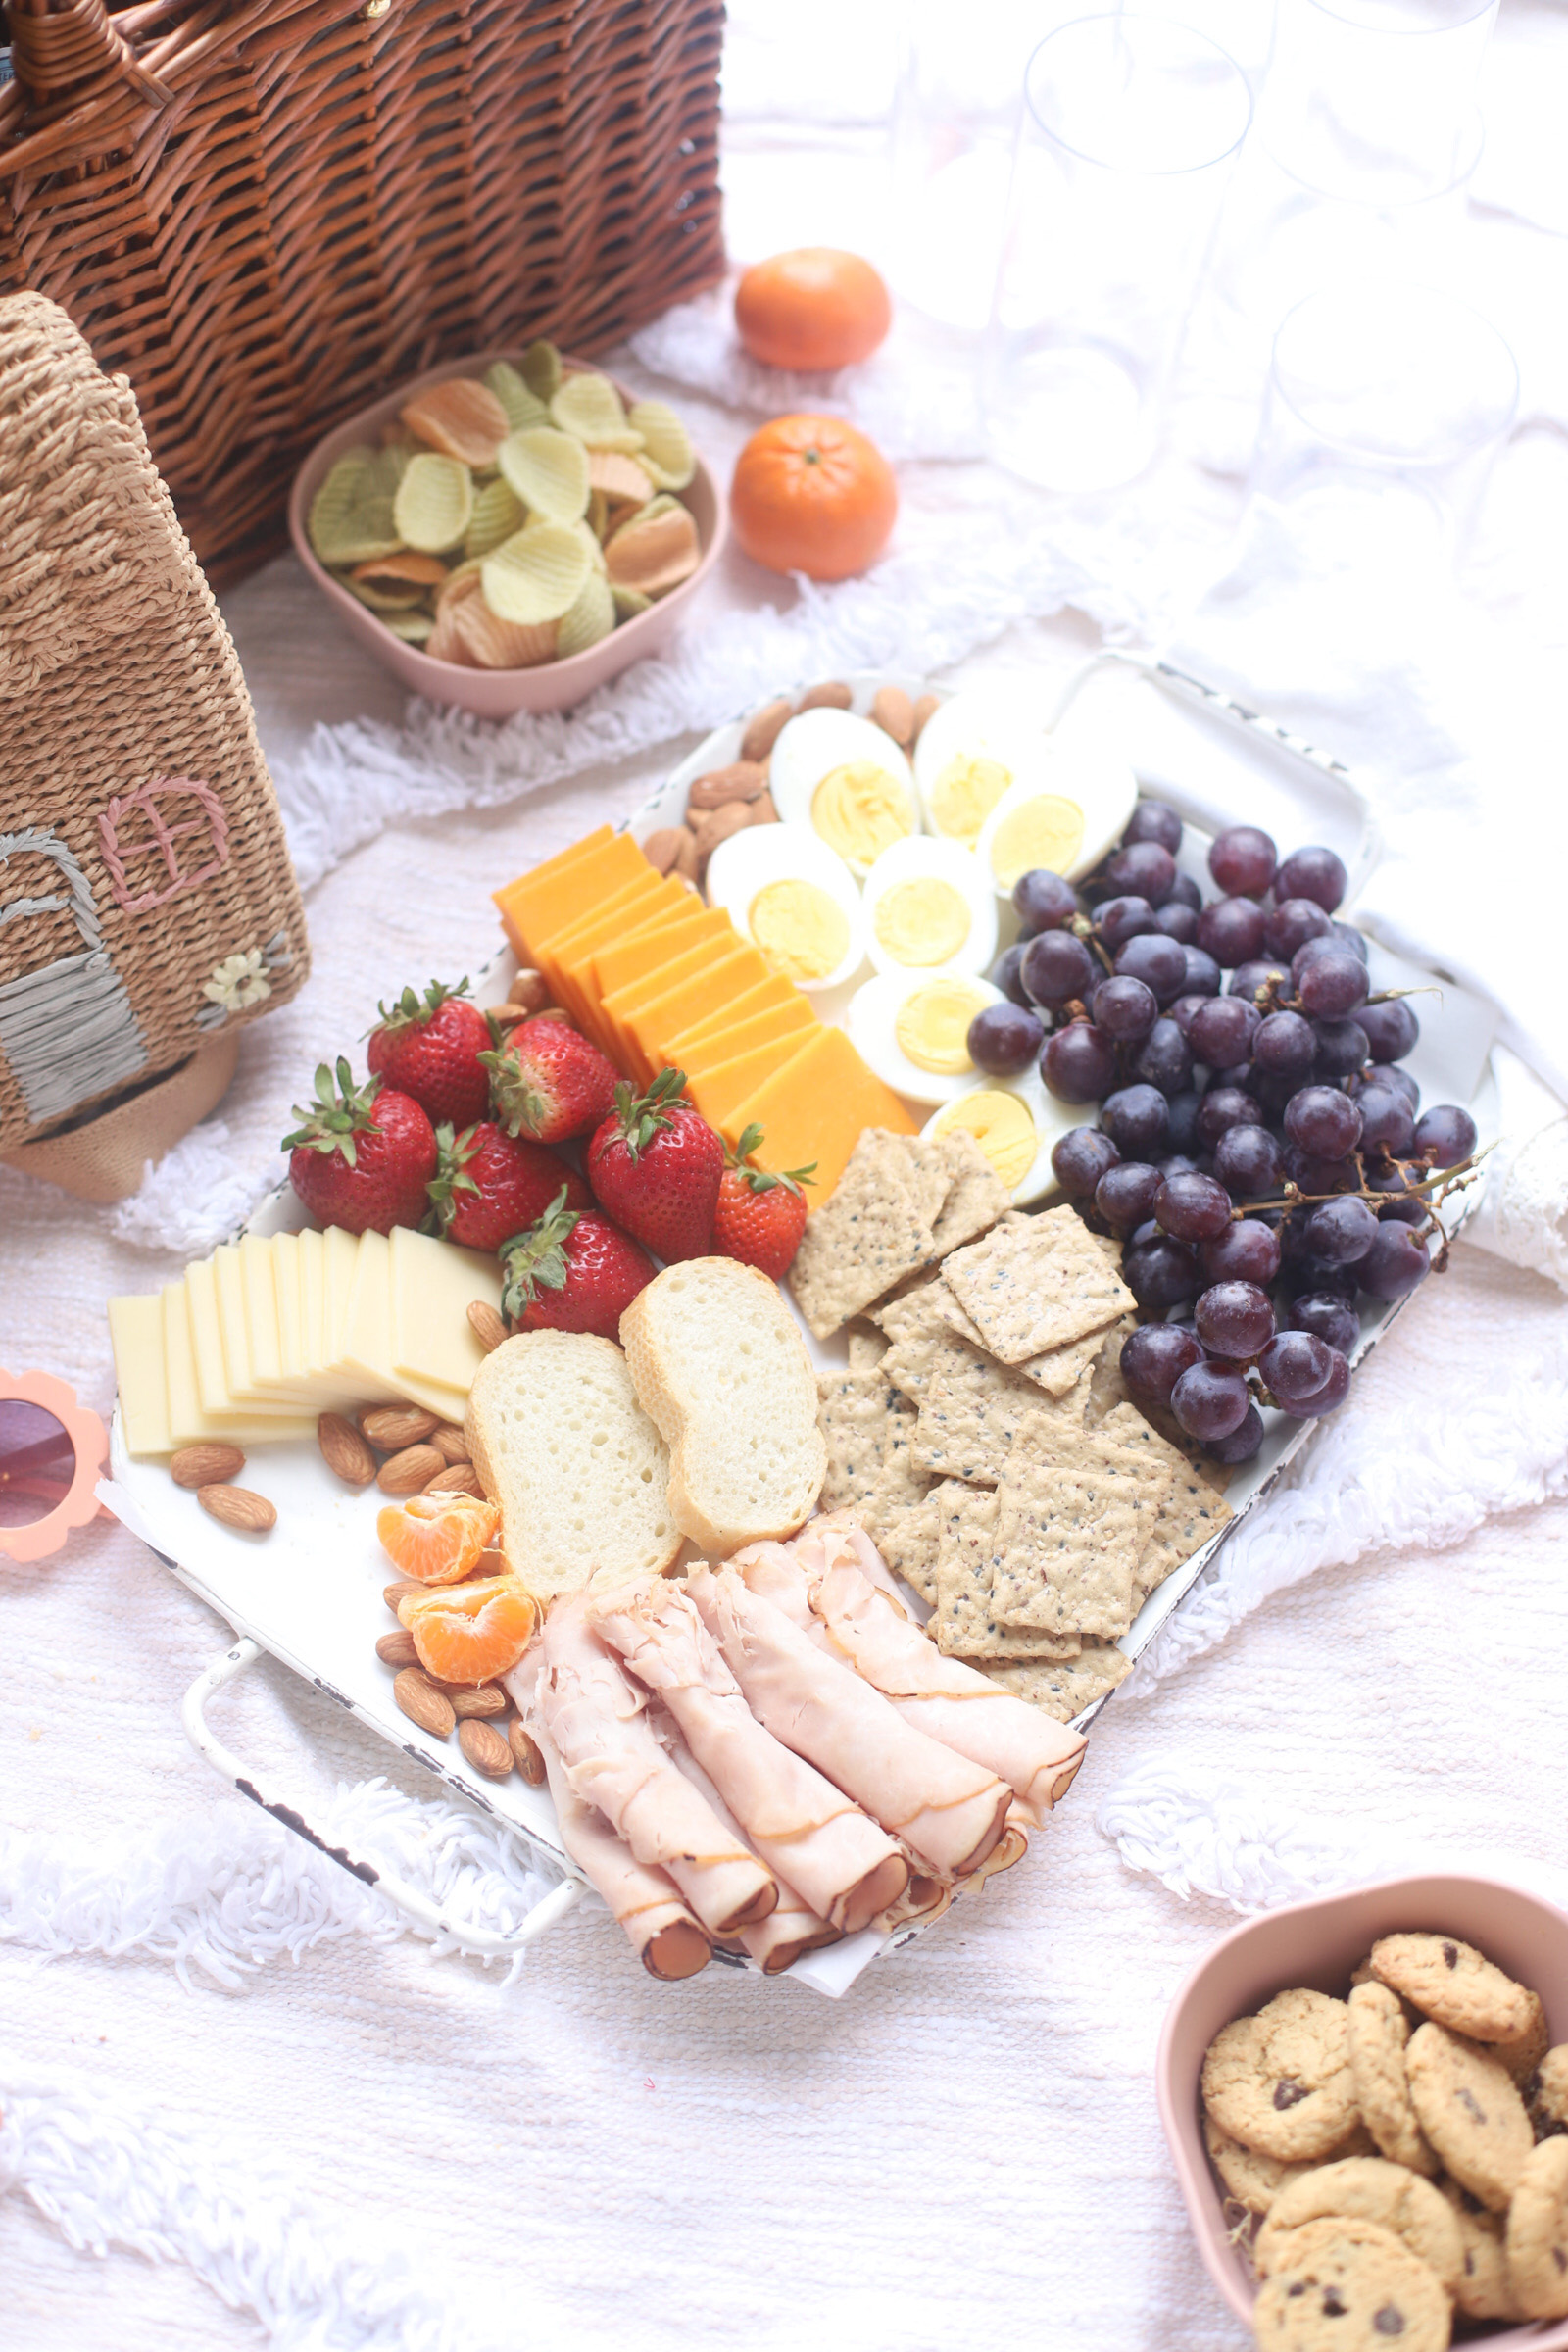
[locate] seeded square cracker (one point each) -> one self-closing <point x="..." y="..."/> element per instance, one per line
<point x="868" y="1348"/>
<point x="852" y="1413"/>
<point x="973" y="1412"/>
<point x="976" y="1195"/>
<point x="1037" y="1285"/>
<point x="1064" y="1550"/>
<point x="939" y="1300"/>
<point x="1107" y="1392"/>
<point x="1059" y="1370"/>
<point x="906" y="1536"/>
<point x="925" y="1171"/>
<point x="965" y="1625"/>
<point x="914" y="1311"/>
<point x="1189" y="1516"/>
<point x="1062" y="1690"/>
<point x="862" y="1239"/>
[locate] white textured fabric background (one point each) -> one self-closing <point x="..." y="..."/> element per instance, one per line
<point x="364" y="2145"/>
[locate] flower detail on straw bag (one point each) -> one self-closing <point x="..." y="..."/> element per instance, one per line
<point x="242" y="982"/>
<point x="122" y="840"/>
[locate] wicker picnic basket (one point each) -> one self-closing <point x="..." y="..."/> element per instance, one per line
<point x="147" y="905"/>
<point x="267" y="211"/>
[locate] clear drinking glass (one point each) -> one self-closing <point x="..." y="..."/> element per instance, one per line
<point x="1374" y="101"/>
<point x="1386" y="404"/>
<point x="1130" y="126"/>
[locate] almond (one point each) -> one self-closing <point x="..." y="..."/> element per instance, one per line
<point x="344" y="1450"/>
<point x="557" y="1012"/>
<point x="393" y="1593"/>
<point x="422" y="1703"/>
<point x="508" y="1016"/>
<point x="763" y="728"/>
<point x="717" y="824"/>
<point x="893" y="711"/>
<point x="448" y="1442"/>
<point x="249" y="1514"/>
<point x="663" y="849"/>
<point x="397" y="1649"/>
<point x="743" y="780"/>
<point x="411" y="1471"/>
<point x="205" y="1465"/>
<point x="831" y="694"/>
<point x="468" y="1702"/>
<point x="486" y="1325"/>
<point x="530" y="990"/>
<point x="925" y="704"/>
<point x="486" y="1749"/>
<point x="458" y="1478"/>
<point x="763" y="811"/>
<point x="391" y="1427"/>
<point x="525" y="1753"/>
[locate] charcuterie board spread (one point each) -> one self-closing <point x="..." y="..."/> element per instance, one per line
<point x="797" y="1333"/>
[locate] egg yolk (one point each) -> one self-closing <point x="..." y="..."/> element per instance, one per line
<point x="861" y="811"/>
<point x="932" y="1028"/>
<point x="1002" y="1128"/>
<point x="921" y="923"/>
<point x="1046" y="831"/>
<point x="965" y="795"/>
<point x="802" y="933"/>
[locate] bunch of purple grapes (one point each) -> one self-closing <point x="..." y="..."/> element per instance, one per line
<point x="1214" y="1098"/>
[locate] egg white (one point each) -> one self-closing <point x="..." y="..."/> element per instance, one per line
<point x="921" y="858"/>
<point x="873" y="1024"/>
<point x="811" y="746"/>
<point x="978" y="723"/>
<point x="747" y="861"/>
<point x="1104" y="789"/>
<point x="1051" y="1117"/>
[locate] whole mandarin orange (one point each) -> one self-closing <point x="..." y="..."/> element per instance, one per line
<point x="810" y="494"/>
<point x="813" y="309"/>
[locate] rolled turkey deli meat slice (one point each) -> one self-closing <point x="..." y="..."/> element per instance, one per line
<point x="777" y="1942"/>
<point x="842" y="1864"/>
<point x="948" y="1811"/>
<point x="612" y="1761"/>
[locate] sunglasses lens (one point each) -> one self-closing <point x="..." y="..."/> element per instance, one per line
<point x="38" y="1462"/>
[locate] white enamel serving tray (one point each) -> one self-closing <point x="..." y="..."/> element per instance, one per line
<point x="310" y="1593"/>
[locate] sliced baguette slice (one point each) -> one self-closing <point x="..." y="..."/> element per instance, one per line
<point x="560" y="1442"/>
<point x="721" y="1366"/>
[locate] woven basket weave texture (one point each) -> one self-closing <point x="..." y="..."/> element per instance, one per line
<point x="265" y="212"/>
<point x="147" y="903"/>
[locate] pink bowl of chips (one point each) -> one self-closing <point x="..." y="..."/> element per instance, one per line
<point x="556" y="684"/>
<point x="1317" y="1944"/>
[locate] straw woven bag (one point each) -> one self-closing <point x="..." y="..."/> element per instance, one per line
<point x="147" y="905"/>
<point x="269" y="212"/>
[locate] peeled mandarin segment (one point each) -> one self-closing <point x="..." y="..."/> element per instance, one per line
<point x="653" y="552"/>
<point x="498" y="512"/>
<point x="921" y="923"/>
<point x="435" y="504"/>
<point x="589" y="406"/>
<point x="541" y="369"/>
<point x="618" y="476"/>
<point x="522" y="407"/>
<point x="496" y="644"/>
<point x="591" y="619"/>
<point x="1047" y="831"/>
<point x="667" y="452"/>
<point x="438" y="1547"/>
<point x="549" y="471"/>
<point x="932" y="1025"/>
<point x="351" y="519"/>
<point x="460" y="417"/>
<point x="965" y="795"/>
<point x="799" y="930"/>
<point x="472" y="1632"/>
<point x="1001" y="1125"/>
<point x="536" y="575"/>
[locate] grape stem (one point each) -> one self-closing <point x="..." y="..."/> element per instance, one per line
<point x="1082" y="928"/>
<point x="1431" y="1189"/>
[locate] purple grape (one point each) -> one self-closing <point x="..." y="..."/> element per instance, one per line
<point x="1181" y="1130"/>
<point x="1137" y="1121"/>
<point x="1342" y="1231"/>
<point x="1445" y="1135"/>
<point x="1324" y="1122"/>
<point x="1391" y="1029"/>
<point x="1003" y="1038"/>
<point x="1295" y="1366"/>
<point x="1244" y="1440"/>
<point x="1231" y="930"/>
<point x="1159" y="1273"/>
<point x="1404" y="1205"/>
<point x="1389" y="1074"/>
<point x="1193" y="1208"/>
<point x="1291" y="923"/>
<point x="1163" y="1059"/>
<point x="1120" y="919"/>
<point x="1312" y="873"/>
<point x="1247" y="1160"/>
<point x="1340" y="1048"/>
<point x="1221" y="1032"/>
<point x="1146" y="869"/>
<point x="1234" y="1318"/>
<point x="1272" y="1090"/>
<point x="1177" y="922"/>
<point x="1329" y="1396"/>
<point x="1184" y="891"/>
<point x="1056" y="967"/>
<point x="1179" y="1163"/>
<point x="1387" y="1121"/>
<point x="1125" y="1194"/>
<point x="1255" y="979"/>
<point x="1080" y="1157"/>
<point x="1209" y="1403"/>
<point x="1079" y="1064"/>
<point x="1182" y="1011"/>
<point x="1332" y="985"/>
<point x="1154" y="1357"/>
<point x="1125" y="1009"/>
<point x="1285" y="1045"/>
<point x="1396" y="1262"/>
<point x="1224" y="1107"/>
<point x="1160" y="962"/>
<point x="1242" y="861"/>
<point x="1004" y="974"/>
<point x="1155" y="820"/>
<point x="1327" y="1318"/>
<point x="1203" y="975"/>
<point x="1043" y="901"/>
<point x="1312" y="1175"/>
<point x="1353" y="939"/>
<point x="1247" y="1250"/>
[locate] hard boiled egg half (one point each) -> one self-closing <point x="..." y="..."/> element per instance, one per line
<point x="794" y="899"/>
<point x="842" y="779"/>
<point x="1064" y="816"/>
<point x="1015" y="1123"/>
<point x="970" y="751"/>
<point x="912" y="1028"/>
<point x="929" y="907"/>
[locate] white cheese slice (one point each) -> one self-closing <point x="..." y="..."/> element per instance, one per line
<point x="188" y="1417"/>
<point x="366" y="1356"/>
<point x="433" y="1285"/>
<point x="136" y="1332"/>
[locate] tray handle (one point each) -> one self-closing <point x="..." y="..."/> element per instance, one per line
<point x="415" y="1906"/>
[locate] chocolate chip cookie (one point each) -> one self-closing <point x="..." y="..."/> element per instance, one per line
<point x="1350" y="2286"/>
<point x="1280" y="2081"/>
<point x="1523" y="2054"/>
<point x="1468" y="2106"/>
<point x="1256" y="2181"/>
<point x="1455" y="1983"/>
<point x="1367" y="2189"/>
<point x="1379" y="2033"/>
<point x="1481" y="2291"/>
<point x="1548" y="2094"/>
<point x="1538" y="2232"/>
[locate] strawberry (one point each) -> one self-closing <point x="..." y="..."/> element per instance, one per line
<point x="573" y="1271"/>
<point x="655" y="1166"/>
<point x="759" y="1217"/>
<point x="489" y="1184"/>
<point x="550" y="1082"/>
<point x="429" y="1046"/>
<point x="360" y="1157"/>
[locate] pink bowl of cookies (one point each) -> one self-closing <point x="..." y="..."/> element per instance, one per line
<point x="1367" y="2101"/>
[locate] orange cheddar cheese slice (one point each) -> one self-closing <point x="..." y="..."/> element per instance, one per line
<point x="631" y="971"/>
<point x="644" y="950"/>
<point x="742" y="1036"/>
<point x="722" y="1087"/>
<point x="654" y="1024"/>
<point x="619" y="1008"/>
<point x="564" y="889"/>
<point x="575" y="956"/>
<point x="814" y="1107"/>
<point x="544" y="943"/>
<point x="774" y="991"/>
